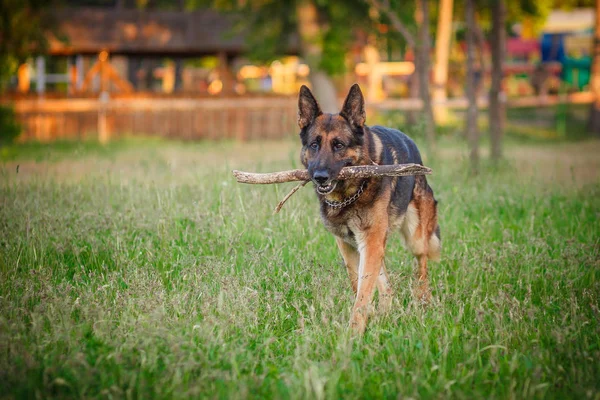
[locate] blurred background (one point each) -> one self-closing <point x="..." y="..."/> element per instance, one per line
<point x="132" y="265"/>
<point x="231" y="69"/>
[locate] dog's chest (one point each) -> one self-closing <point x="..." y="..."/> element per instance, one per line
<point x="343" y="227"/>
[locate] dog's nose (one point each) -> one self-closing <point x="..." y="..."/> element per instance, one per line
<point x="321" y="176"/>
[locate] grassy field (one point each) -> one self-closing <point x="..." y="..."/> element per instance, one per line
<point x="142" y="270"/>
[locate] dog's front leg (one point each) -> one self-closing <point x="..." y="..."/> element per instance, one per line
<point x="385" y="290"/>
<point x="372" y="251"/>
<point x="351" y="261"/>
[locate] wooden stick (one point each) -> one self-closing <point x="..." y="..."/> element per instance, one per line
<point x="282" y="202"/>
<point x="354" y="172"/>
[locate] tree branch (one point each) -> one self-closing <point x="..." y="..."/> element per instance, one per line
<point x="354" y="172"/>
<point x="384" y="7"/>
<point x="294" y="190"/>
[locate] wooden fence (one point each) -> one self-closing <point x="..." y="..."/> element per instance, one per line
<point x="206" y="118"/>
<point x="187" y="119"/>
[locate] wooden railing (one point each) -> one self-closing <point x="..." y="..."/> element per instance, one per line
<point x="188" y="119"/>
<point x="202" y="118"/>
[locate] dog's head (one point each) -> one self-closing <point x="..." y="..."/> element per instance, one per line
<point x="330" y="141"/>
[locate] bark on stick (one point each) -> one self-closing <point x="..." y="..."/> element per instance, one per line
<point x="354" y="172"/>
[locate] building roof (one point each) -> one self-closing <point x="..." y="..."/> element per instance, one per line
<point x="145" y="32"/>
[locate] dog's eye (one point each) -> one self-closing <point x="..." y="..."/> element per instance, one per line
<point x="338" y="146"/>
<point x="314" y="145"/>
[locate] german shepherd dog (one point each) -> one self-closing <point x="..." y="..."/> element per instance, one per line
<point x="361" y="212"/>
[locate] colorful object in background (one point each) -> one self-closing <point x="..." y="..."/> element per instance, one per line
<point x="568" y="39"/>
<point x="552" y="47"/>
<point x="576" y="71"/>
<point x="578" y="61"/>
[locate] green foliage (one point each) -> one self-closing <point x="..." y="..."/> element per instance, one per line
<point x="342" y="21"/>
<point x="537" y="11"/>
<point x="9" y="128"/>
<point x="268" y="25"/>
<point x="570" y="4"/>
<point x="271" y="28"/>
<point x="388" y="37"/>
<point x="24" y="25"/>
<point x="208" y="62"/>
<point x="148" y="273"/>
<point x="338" y="37"/>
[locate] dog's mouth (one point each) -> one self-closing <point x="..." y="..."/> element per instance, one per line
<point x="326" y="189"/>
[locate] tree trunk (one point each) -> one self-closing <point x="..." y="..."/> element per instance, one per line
<point x="442" y="52"/>
<point x="471" y="122"/>
<point x="413" y="87"/>
<point x="480" y="49"/>
<point x="311" y="47"/>
<point x="423" y="68"/>
<point x="496" y="109"/>
<point x="594" y="121"/>
<point x="226" y="75"/>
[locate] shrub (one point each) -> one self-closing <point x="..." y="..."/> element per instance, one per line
<point x="9" y="128"/>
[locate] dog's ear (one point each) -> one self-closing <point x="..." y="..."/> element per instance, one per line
<point x="308" y="108"/>
<point x="354" y="107"/>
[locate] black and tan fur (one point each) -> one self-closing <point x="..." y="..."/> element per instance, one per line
<point x="406" y="204"/>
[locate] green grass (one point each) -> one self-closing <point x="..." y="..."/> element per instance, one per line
<point x="143" y="270"/>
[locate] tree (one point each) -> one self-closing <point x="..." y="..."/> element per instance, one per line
<point x="23" y="28"/>
<point x="496" y="109"/>
<point x="325" y="31"/>
<point x="442" y="53"/>
<point x="471" y="119"/>
<point x="422" y="51"/>
<point x="311" y="48"/>
<point x="423" y="68"/>
<point x="500" y="13"/>
<point x="594" y="119"/>
<point x="503" y="13"/>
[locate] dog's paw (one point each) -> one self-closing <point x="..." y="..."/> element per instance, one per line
<point x="422" y="293"/>
<point x="385" y="303"/>
<point x="358" y="323"/>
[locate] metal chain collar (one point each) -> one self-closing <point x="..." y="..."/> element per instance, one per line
<point x="349" y="200"/>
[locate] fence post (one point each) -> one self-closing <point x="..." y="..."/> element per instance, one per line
<point x="103" y="133"/>
<point x="40" y="66"/>
<point x="79" y="74"/>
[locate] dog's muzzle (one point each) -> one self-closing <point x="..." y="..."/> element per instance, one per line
<point x="327" y="188"/>
<point x="323" y="182"/>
